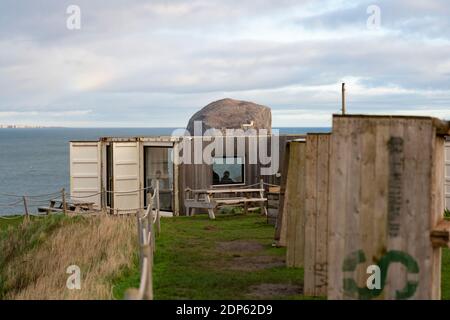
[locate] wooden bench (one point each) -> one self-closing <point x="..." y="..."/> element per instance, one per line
<point x="207" y="199"/>
<point x="75" y="206"/>
<point x="49" y="210"/>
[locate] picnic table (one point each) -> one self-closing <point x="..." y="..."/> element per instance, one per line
<point x="211" y="199"/>
<point x="74" y="206"/>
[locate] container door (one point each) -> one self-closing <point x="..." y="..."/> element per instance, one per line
<point x="126" y="177"/>
<point x="447" y="175"/>
<point x="85" y="168"/>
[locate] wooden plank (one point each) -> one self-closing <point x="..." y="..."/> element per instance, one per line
<point x="400" y="156"/>
<point x="280" y="227"/>
<point x="239" y="200"/>
<point x="387" y="196"/>
<point x="440" y="235"/>
<point x="294" y="205"/>
<point x="380" y="188"/>
<point x="199" y="204"/>
<point x="437" y="210"/>
<point x="233" y="190"/>
<point x="368" y="189"/>
<point x="322" y="206"/>
<point x="273" y="189"/>
<point x="338" y="187"/>
<point x="316" y="213"/>
<point x="310" y="213"/>
<point x="49" y="209"/>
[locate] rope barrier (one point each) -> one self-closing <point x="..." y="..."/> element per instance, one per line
<point x="84" y="197"/>
<point x="29" y="196"/>
<point x="11" y="205"/>
<point x="271" y="185"/>
<point x="11" y="218"/>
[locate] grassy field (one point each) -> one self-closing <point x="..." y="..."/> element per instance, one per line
<point x="197" y="258"/>
<point x="35" y="256"/>
<point x="228" y="258"/>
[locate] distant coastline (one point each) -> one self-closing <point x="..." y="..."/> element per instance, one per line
<point x="23" y="126"/>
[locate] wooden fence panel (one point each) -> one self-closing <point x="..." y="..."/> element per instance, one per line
<point x="316" y="214"/>
<point x="294" y="204"/>
<point x="387" y="197"/>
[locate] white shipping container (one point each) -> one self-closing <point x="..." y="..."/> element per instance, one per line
<point x="126" y="176"/>
<point x="85" y="168"/>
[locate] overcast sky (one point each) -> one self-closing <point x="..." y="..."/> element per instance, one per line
<point x="154" y="63"/>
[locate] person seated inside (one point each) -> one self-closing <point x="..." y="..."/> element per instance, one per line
<point x="216" y="178"/>
<point x="226" y="178"/>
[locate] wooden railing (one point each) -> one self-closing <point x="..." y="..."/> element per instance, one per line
<point x="148" y="223"/>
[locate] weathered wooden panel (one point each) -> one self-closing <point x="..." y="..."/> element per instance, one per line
<point x="280" y="226"/>
<point x="316" y="214"/>
<point x="294" y="204"/>
<point x="199" y="176"/>
<point x="447" y="174"/>
<point x="386" y="197"/>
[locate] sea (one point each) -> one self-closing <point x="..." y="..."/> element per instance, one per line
<point x="35" y="161"/>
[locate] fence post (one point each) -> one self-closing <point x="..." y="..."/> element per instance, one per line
<point x="263" y="204"/>
<point x="103" y="196"/>
<point x="27" y="217"/>
<point x="150" y="223"/>
<point x="158" y="217"/>
<point x="140" y="239"/>
<point x="63" y="192"/>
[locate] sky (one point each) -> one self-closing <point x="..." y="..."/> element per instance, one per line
<point x="154" y="63"/>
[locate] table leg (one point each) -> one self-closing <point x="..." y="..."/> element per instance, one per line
<point x="263" y="204"/>
<point x="210" y="210"/>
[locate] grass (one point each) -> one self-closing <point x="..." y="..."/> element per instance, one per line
<point x="198" y="258"/>
<point x="35" y="256"/>
<point x="445" y="274"/>
<point x="447" y="214"/>
<point x="10" y="222"/>
<point x="190" y="265"/>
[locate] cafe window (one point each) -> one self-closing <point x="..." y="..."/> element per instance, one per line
<point x="228" y="170"/>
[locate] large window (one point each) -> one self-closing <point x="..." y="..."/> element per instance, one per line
<point x="159" y="167"/>
<point x="228" y="170"/>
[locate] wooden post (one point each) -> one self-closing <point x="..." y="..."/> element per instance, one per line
<point x="158" y="216"/>
<point x="27" y="216"/>
<point x="103" y="196"/>
<point x="263" y="204"/>
<point x="63" y="192"/>
<point x="294" y="205"/>
<point x="151" y="227"/>
<point x="386" y="200"/>
<point x="140" y="237"/>
<point x="147" y="271"/>
<point x="318" y="149"/>
<point x="280" y="227"/>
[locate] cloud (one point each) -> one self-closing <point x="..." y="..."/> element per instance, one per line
<point x="140" y="63"/>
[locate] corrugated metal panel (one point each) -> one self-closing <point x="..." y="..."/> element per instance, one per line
<point x="126" y="176"/>
<point x="85" y="177"/>
<point x="447" y="174"/>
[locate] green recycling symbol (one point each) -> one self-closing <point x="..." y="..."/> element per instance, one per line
<point x="351" y="262"/>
